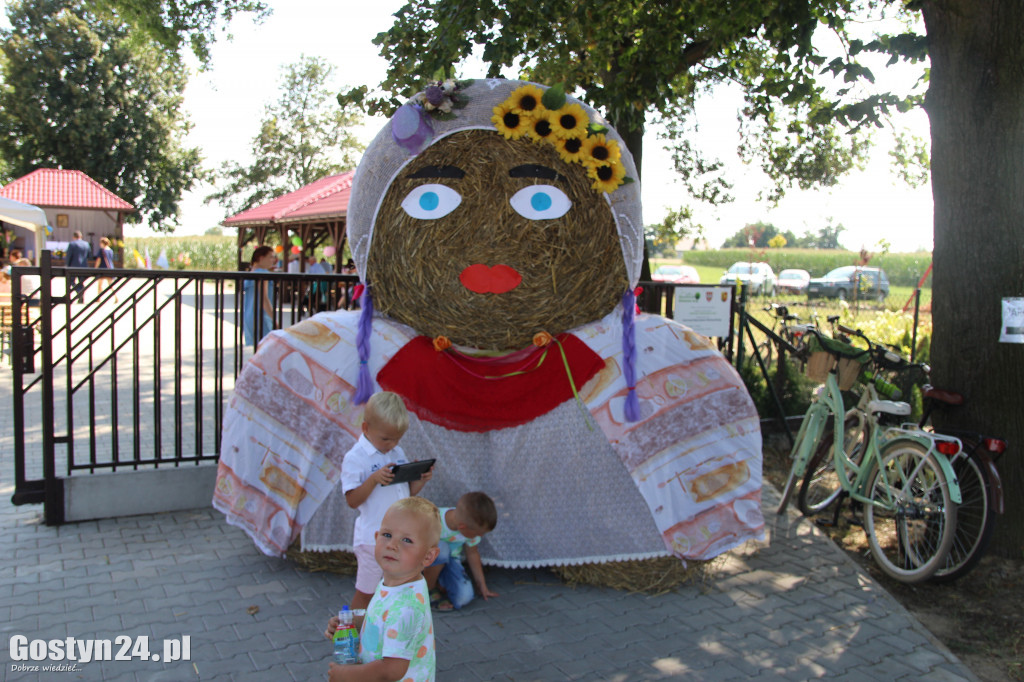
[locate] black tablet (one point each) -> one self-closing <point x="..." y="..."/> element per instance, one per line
<point x="404" y="473"/>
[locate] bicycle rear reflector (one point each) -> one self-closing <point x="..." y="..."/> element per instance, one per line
<point x="995" y="445"/>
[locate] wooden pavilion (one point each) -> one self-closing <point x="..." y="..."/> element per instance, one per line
<point x="314" y="213"/>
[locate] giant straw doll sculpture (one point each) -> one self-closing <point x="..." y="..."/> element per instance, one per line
<point x="497" y="230"/>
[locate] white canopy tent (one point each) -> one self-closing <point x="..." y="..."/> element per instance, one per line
<point x="27" y="216"/>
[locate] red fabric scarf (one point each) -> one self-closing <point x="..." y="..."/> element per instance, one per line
<point x="465" y="393"/>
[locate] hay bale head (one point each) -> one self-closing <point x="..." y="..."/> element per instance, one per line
<point x="488" y="241"/>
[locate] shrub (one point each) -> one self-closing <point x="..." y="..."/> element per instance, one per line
<point x="791" y="384"/>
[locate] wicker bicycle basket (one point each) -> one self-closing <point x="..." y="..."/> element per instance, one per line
<point x="819" y="364"/>
<point x="824" y="355"/>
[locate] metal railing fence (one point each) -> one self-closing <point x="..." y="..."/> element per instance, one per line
<point x="137" y="374"/>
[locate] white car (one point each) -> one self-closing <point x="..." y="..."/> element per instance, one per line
<point x="759" y="277"/>
<point x="793" y="281"/>
<point x="678" y="274"/>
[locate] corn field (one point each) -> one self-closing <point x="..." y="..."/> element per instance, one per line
<point x="192" y="253"/>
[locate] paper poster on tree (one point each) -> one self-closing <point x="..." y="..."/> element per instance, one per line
<point x="1013" y="321"/>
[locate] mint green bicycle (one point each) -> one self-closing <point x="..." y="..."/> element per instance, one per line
<point x="899" y="478"/>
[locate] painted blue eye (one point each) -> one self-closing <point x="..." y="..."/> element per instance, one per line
<point x="540" y="202"/>
<point x="429" y="202"/>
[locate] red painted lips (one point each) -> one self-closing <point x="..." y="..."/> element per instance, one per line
<point x="484" y="279"/>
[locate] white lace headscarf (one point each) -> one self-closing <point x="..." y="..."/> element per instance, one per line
<point x="385" y="158"/>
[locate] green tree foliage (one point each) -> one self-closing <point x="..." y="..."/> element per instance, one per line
<point x="80" y="91"/>
<point x="173" y="23"/>
<point x="756" y="234"/>
<point x="663" y="237"/>
<point x="761" y="234"/>
<point x="304" y="136"/>
<point x="828" y="236"/>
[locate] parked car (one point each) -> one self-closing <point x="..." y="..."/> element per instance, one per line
<point x="677" y="274"/>
<point x="870" y="283"/>
<point x="759" y="277"/>
<point x="793" y="281"/>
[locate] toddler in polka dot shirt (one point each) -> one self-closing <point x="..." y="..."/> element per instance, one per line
<point x="396" y="641"/>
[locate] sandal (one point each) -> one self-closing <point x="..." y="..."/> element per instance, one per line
<point x="443" y="605"/>
<point x="435" y="598"/>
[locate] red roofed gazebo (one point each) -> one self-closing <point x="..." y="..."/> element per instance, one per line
<point x="72" y="201"/>
<point x="315" y="213"/>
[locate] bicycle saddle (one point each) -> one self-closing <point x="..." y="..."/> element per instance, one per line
<point x="948" y="397"/>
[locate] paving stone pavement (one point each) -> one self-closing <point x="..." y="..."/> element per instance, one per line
<point x="794" y="608"/>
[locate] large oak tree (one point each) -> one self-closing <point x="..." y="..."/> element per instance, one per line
<point x="637" y="58"/>
<point x="975" y="104"/>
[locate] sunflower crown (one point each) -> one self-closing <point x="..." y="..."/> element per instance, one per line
<point x="545" y="116"/>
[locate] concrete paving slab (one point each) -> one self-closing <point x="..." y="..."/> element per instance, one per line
<point x="793" y="608"/>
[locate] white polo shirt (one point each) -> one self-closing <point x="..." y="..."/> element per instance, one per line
<point x="358" y="465"/>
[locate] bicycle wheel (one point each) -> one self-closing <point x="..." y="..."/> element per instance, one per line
<point x="975" y="517"/>
<point x="806" y="437"/>
<point x="911" y="520"/>
<point x="821" y="485"/>
<point x="765" y="350"/>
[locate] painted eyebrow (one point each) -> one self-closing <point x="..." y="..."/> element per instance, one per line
<point x="439" y="172"/>
<point x="533" y="170"/>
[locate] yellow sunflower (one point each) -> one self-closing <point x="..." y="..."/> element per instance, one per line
<point x="526" y="100"/>
<point x="607" y="176"/>
<point x="571" y="121"/>
<point x="570" y="149"/>
<point x="598" y="150"/>
<point x="509" y="123"/>
<point x="541" y="126"/>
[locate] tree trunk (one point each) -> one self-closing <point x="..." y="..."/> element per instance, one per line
<point x="975" y="103"/>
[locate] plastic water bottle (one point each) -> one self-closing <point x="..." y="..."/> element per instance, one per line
<point x="346" y="639"/>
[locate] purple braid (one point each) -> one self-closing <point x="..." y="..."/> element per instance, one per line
<point x="632" y="409"/>
<point x="364" y="386"/>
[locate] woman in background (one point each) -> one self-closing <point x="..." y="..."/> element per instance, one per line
<point x="105" y="260"/>
<point x="263" y="260"/>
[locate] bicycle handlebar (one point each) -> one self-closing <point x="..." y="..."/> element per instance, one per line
<point x="881" y="356"/>
<point x="779" y="311"/>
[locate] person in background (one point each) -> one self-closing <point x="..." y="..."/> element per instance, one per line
<point x="13" y="256"/>
<point x="30" y="284"/>
<point x="316" y="289"/>
<point x="350" y="269"/>
<point x="104" y="260"/>
<point x="313" y="267"/>
<point x="78" y="255"/>
<point x="256" y="296"/>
